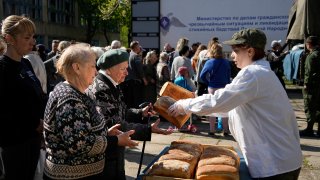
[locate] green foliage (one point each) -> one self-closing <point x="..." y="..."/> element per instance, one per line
<point x="124" y="31"/>
<point x="105" y="15"/>
<point x="116" y="13"/>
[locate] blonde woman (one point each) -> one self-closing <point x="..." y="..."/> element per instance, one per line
<point x="22" y="101"/>
<point x="216" y="74"/>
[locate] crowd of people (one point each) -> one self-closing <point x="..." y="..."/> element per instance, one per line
<point x="82" y="104"/>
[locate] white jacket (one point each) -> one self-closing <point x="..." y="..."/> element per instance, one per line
<point x="38" y="68"/>
<point x="261" y="119"/>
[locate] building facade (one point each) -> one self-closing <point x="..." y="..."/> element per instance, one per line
<point x="54" y="19"/>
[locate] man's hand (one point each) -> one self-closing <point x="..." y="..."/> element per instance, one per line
<point x="114" y="130"/>
<point x="156" y="129"/>
<point x="148" y="111"/>
<point x="124" y="139"/>
<point x="176" y="109"/>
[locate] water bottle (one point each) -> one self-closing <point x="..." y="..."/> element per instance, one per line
<point x="219" y="124"/>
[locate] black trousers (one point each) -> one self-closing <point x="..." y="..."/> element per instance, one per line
<point x="292" y="175"/>
<point x="114" y="168"/>
<point x="202" y="88"/>
<point x="20" y="160"/>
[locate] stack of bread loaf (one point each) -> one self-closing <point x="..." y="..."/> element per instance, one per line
<point x="188" y="160"/>
<point x="218" y="163"/>
<point x="180" y="161"/>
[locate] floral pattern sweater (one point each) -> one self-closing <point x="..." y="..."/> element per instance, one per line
<point x="75" y="135"/>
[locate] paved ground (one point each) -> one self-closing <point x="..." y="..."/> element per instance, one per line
<point x="310" y="146"/>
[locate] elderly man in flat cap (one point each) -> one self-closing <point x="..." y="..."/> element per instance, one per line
<point x="113" y="66"/>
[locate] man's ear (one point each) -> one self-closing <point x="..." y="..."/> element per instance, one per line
<point x="251" y="52"/>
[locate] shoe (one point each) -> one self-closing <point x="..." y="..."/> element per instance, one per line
<point x="307" y="133"/>
<point x="211" y="133"/>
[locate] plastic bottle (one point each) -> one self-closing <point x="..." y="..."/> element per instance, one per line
<point x="219" y="124"/>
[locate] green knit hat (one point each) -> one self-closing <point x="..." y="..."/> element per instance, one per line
<point x="111" y="58"/>
<point x="252" y="37"/>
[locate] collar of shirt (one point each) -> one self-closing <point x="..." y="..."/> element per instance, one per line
<point x="134" y="52"/>
<point x="105" y="74"/>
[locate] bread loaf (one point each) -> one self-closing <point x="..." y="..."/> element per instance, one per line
<point x="214" y="154"/>
<point x="174" y="91"/>
<point x="182" y="156"/>
<point x="190" y="147"/>
<point x="161" y="106"/>
<point x="170" y="93"/>
<point x="173" y="168"/>
<point x="217" y="172"/>
<point x="218" y="163"/>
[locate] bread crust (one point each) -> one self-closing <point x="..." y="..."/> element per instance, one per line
<point x="217" y="172"/>
<point x="218" y="163"/>
<point x="161" y="106"/>
<point x="173" y="168"/>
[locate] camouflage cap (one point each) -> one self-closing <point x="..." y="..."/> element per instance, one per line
<point x="252" y="37"/>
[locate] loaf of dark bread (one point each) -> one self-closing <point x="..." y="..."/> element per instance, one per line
<point x="161" y="106"/>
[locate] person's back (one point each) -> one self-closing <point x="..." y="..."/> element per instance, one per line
<point x="275" y="57"/>
<point x="135" y="81"/>
<point x="182" y="79"/>
<point x="216" y="73"/>
<point x="38" y="68"/>
<point x="53" y="78"/>
<point x="163" y="73"/>
<point x="180" y="61"/>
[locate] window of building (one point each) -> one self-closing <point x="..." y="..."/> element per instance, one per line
<point x="30" y="8"/>
<point x="61" y="11"/>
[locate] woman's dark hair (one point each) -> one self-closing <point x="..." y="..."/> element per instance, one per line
<point x="215" y="39"/>
<point x="184" y="50"/>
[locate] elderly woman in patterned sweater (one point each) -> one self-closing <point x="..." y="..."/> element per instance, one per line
<point x="113" y="66"/>
<point x="75" y="134"/>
